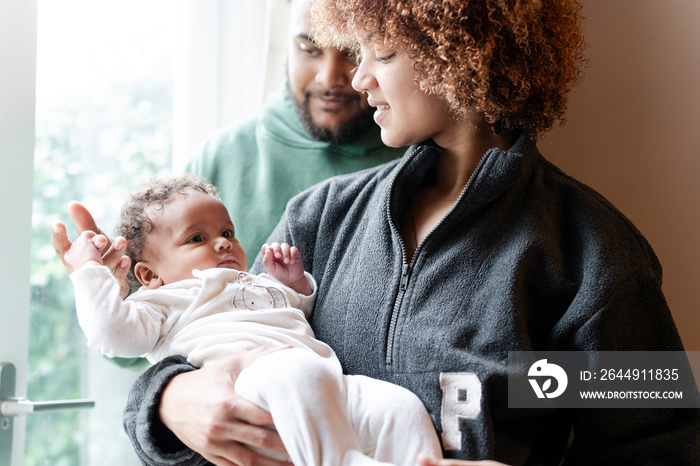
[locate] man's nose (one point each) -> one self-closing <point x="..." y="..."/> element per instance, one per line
<point x="334" y="70"/>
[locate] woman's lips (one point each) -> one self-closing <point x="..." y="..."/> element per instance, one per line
<point x="382" y="109"/>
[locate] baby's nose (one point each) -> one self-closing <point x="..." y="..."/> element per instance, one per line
<point x="222" y="244"/>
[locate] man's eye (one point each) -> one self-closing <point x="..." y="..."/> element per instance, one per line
<point x="196" y="239"/>
<point x="352" y="56"/>
<point x="309" y="50"/>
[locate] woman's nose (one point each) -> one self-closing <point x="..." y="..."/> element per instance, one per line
<point x="362" y="80"/>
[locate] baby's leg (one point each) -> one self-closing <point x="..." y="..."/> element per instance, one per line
<point x="390" y="420"/>
<point x="306" y="396"/>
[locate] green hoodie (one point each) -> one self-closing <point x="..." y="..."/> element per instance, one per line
<point x="261" y="164"/>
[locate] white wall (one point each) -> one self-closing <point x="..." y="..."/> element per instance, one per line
<point x="220" y="61"/>
<point x="632" y="133"/>
<point x="18" y="22"/>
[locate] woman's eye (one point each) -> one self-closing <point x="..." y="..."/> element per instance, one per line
<point x="386" y="58"/>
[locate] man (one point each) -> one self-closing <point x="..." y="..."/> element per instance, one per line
<point x="316" y="127"/>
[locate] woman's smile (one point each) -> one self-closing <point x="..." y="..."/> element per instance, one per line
<point x="382" y="109"/>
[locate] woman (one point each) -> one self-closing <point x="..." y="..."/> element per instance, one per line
<point x="432" y="268"/>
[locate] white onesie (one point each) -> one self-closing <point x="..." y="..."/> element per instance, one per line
<point x="322" y="416"/>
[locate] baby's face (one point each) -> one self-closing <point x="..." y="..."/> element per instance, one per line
<point x="192" y="231"/>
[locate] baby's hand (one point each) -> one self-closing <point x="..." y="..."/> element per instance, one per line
<point x="283" y="262"/>
<point x="86" y="250"/>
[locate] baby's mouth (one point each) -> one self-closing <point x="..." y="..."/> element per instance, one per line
<point x="227" y="261"/>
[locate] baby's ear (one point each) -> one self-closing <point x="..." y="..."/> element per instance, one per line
<point x="147" y="276"/>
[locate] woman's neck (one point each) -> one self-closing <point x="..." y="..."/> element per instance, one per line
<point x="442" y="187"/>
<point x="462" y="150"/>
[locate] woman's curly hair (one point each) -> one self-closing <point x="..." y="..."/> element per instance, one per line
<point x="514" y="61"/>
<point x="134" y="223"/>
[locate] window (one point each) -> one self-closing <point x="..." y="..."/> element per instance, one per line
<point x="104" y="119"/>
<point x="120" y="88"/>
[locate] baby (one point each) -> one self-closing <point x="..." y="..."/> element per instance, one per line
<point x="197" y="300"/>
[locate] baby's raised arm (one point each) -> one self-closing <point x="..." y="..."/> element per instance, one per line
<point x="112" y="255"/>
<point x="85" y="250"/>
<point x="283" y="262"/>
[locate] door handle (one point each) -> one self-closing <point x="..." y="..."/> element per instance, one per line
<point x="19" y="406"/>
<point x="11" y="407"/>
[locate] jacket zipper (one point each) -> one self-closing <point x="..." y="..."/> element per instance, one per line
<point x="407" y="268"/>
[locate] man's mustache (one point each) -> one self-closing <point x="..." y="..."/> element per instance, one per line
<point x="332" y="95"/>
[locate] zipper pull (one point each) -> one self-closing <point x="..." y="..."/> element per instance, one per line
<point x="405" y="273"/>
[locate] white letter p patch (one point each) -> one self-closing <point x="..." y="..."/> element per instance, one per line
<point x="461" y="398"/>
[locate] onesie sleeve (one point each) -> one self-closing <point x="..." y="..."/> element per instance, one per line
<point x="116" y="327"/>
<point x="304" y="303"/>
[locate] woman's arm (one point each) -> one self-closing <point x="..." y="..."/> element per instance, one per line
<point x="174" y="411"/>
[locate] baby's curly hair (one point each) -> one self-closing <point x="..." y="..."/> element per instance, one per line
<point x="134" y="223"/>
<point x="514" y="61"/>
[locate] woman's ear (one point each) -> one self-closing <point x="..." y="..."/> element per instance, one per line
<point x="147" y="276"/>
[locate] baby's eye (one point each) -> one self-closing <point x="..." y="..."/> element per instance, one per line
<point x="227" y="234"/>
<point x="196" y="239"/>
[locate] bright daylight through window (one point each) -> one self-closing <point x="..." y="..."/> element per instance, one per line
<point x="103" y="124"/>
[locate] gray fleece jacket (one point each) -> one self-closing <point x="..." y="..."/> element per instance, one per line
<point x="527" y="259"/>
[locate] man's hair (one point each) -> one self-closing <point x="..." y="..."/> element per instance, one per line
<point x="513" y="61"/>
<point x="134" y="223"/>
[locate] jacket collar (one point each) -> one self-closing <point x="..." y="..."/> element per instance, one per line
<point x="498" y="171"/>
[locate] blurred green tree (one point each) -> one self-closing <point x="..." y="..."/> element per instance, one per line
<point x="92" y="148"/>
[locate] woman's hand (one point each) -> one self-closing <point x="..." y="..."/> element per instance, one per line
<point x="203" y="411"/>
<point x="425" y="461"/>
<point x="112" y="252"/>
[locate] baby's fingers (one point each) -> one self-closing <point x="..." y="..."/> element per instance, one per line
<point x="99" y="241"/>
<point x="285" y="251"/>
<point x="295" y="255"/>
<point x="280" y="252"/>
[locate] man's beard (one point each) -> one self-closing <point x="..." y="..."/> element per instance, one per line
<point x="347" y="133"/>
